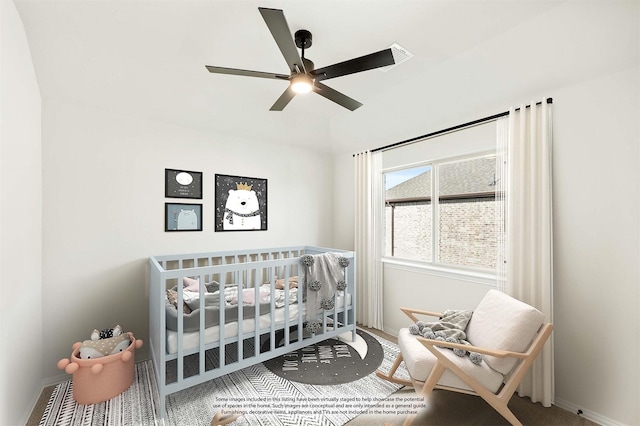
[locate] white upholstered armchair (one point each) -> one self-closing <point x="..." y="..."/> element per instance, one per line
<point x="508" y="334"/>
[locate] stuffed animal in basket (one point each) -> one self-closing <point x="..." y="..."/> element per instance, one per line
<point x="106" y="342"/>
<point x="98" y="347"/>
<point x="106" y="333"/>
<point x="91" y="349"/>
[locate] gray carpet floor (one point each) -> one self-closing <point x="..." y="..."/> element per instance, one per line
<point x="450" y="408"/>
<point x="442" y="408"/>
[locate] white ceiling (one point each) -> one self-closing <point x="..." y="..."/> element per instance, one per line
<point x="146" y="59"/>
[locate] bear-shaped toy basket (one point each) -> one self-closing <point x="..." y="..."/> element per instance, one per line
<point x="100" y="379"/>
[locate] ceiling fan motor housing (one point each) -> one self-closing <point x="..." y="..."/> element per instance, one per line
<point x="303" y="39"/>
<point x="308" y="65"/>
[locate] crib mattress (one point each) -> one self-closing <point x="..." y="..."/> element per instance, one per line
<point x="191" y="340"/>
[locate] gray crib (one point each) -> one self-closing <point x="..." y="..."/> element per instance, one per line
<point x="218" y="338"/>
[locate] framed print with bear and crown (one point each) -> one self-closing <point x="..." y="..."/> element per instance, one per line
<point x="240" y="203"/>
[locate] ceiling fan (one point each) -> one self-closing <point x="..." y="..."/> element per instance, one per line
<point x="304" y="77"/>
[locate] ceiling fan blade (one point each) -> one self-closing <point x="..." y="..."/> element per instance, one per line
<point x="246" y="73"/>
<point x="283" y="100"/>
<point x="335" y="96"/>
<point x="363" y="63"/>
<point x="275" y="20"/>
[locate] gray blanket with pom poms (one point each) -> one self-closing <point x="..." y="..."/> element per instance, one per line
<point x="453" y="323"/>
<point x="321" y="280"/>
<point x="450" y="327"/>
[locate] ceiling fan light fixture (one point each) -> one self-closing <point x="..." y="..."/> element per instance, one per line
<point x="301" y="83"/>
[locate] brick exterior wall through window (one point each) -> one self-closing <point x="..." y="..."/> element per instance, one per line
<point x="411" y="231"/>
<point x="467" y="232"/>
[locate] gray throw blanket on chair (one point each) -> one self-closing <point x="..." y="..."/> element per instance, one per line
<point x="452" y="323"/>
<point x="449" y="327"/>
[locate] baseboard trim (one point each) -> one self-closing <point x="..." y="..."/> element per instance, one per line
<point x="32" y="406"/>
<point x="587" y="414"/>
<point x="390" y="331"/>
<point x="56" y="380"/>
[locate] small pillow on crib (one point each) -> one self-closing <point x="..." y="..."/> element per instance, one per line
<point x="191" y="284"/>
<point x="209" y="300"/>
<point x="249" y="296"/>
<point x="212" y="287"/>
<point x="172" y="296"/>
<point x="293" y="283"/>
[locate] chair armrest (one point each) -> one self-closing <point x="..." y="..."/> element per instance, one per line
<point x="410" y="313"/>
<point x="431" y="344"/>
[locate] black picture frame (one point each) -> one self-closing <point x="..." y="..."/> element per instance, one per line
<point x="182" y="184"/>
<point x="230" y="214"/>
<point x="181" y="217"/>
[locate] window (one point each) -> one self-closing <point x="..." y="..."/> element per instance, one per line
<point x="408" y="213"/>
<point x="455" y="229"/>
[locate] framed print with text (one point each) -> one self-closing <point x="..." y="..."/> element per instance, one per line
<point x="182" y="184"/>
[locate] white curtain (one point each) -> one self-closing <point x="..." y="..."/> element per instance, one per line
<point x="529" y="232"/>
<point x="502" y="200"/>
<point x="368" y="233"/>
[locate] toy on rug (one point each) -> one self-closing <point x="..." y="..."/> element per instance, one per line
<point x="221" y="419"/>
<point x="450" y="328"/>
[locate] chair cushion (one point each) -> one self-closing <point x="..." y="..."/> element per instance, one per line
<point x="419" y="362"/>
<point x="504" y="323"/>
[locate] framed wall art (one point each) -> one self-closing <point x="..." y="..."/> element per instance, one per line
<point x="182" y="217"/>
<point x="182" y="184"/>
<point x="240" y="203"/>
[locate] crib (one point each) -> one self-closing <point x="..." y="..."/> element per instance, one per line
<point x="223" y="333"/>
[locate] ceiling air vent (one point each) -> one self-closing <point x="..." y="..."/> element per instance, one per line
<point x="400" y="55"/>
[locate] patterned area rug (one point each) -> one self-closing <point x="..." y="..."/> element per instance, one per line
<point x="331" y="361"/>
<point x="135" y="406"/>
<point x="263" y="397"/>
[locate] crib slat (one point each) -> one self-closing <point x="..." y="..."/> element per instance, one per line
<point x="222" y="322"/>
<point x="201" y="364"/>
<point x="240" y="308"/>
<point x="180" y="326"/>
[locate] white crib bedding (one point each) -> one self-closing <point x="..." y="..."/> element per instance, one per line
<point x="191" y="339"/>
<point x="191" y="320"/>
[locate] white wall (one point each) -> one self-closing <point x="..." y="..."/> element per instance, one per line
<point x="20" y="223"/>
<point x="407" y="286"/>
<point x="104" y="213"/>
<point x="596" y="220"/>
<point x="470" y="140"/>
<point x="597" y="246"/>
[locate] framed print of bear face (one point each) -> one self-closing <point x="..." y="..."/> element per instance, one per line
<point x="182" y="217"/>
<point x="182" y="184"/>
<point x="240" y="203"/>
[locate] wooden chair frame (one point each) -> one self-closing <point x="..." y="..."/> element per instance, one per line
<point x="498" y="400"/>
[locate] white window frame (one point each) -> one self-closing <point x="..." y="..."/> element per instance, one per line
<point x="483" y="276"/>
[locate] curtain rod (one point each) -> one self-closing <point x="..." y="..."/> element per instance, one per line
<point x="451" y="129"/>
